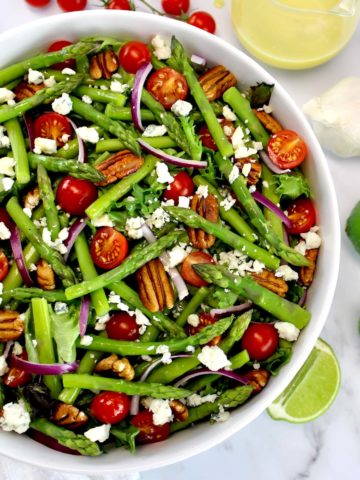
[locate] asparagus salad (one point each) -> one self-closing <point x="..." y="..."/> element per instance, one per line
<point x="157" y="242"/>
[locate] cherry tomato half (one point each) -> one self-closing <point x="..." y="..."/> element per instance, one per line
<point x="52" y="125"/>
<point x="167" y="86"/>
<point x="302" y="215"/>
<point x="261" y="340"/>
<point x="122" y="326"/>
<point x="286" y="149"/>
<point x="182" y="186"/>
<point x="206" y="138"/>
<point x="59" y="45"/>
<point x="175" y="7"/>
<point x="118" y="5"/>
<point x="38" y="3"/>
<point x="75" y="195"/>
<point x="108" y="248"/>
<point x="202" y="20"/>
<point x="4" y="265"/>
<point x="110" y="407"/>
<point x="189" y="274"/>
<point x="72" y="5"/>
<point x="149" y="433"/>
<point x="133" y="55"/>
<point x="16" y="377"/>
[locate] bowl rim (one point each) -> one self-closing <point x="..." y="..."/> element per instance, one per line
<point x="190" y="449"/>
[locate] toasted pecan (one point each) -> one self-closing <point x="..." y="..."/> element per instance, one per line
<point x="32" y="198"/>
<point x="268" y="280"/>
<point x="26" y="90"/>
<point x="179" y="410"/>
<point x="103" y="65"/>
<point x="45" y="275"/>
<point x="68" y="416"/>
<point x="207" y="208"/>
<point x="11" y="325"/>
<point x="119" y="166"/>
<point x="268" y="121"/>
<point x="257" y="379"/>
<point x="205" y="319"/>
<point x="155" y="289"/>
<point x="255" y="173"/>
<point x="216" y="81"/>
<point x="122" y="367"/>
<point x="306" y="274"/>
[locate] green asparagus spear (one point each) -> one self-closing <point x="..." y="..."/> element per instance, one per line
<point x="26" y="294"/>
<point x="124" y="114"/>
<point x="193" y="305"/>
<point x="48" y="198"/>
<point x="18" y="148"/>
<point x="256" y="216"/>
<point x="246" y="287"/>
<point x="130" y="265"/>
<point x="66" y="438"/>
<point x="29" y="230"/>
<point x="113" y="145"/>
<point x="236" y="332"/>
<point x="193" y="139"/>
<point x="102" y="96"/>
<point x="69" y="151"/>
<point x="192" y="219"/>
<point x="268" y="190"/>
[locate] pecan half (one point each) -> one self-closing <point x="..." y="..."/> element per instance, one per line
<point x="119" y="166"/>
<point x="255" y="172"/>
<point x="32" y="198"/>
<point x="68" y="416"/>
<point x="122" y="367"/>
<point x="205" y="319"/>
<point x="155" y="289"/>
<point x="268" y="280"/>
<point x="257" y="379"/>
<point x="179" y="410"/>
<point x="306" y="274"/>
<point x="216" y="81"/>
<point x="45" y="275"/>
<point x="11" y="325"/>
<point x="103" y="65"/>
<point x="207" y="208"/>
<point x="268" y="121"/>
<point x="26" y="90"/>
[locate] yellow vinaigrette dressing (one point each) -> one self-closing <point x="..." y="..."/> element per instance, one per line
<point x="294" y="34"/>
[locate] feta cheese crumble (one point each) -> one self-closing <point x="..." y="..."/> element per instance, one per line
<point x="312" y="238"/>
<point x="202" y="191"/>
<point x="98" y="434"/>
<point x="165" y="352"/>
<point x="68" y="71"/>
<point x="142" y="321"/>
<point x="221" y="416"/>
<point x="35" y="77"/>
<point x="58" y="243"/>
<point x="86" y="99"/>
<point x="50" y="82"/>
<point x="163" y="174"/>
<point x="246" y="169"/>
<point x="133" y="227"/>
<point x="15" y="417"/>
<point x="62" y="105"/>
<point x="3" y="366"/>
<point x="4" y="140"/>
<point x="238" y="263"/>
<point x="162" y="48"/>
<point x="213" y="358"/>
<point x="181" y="108"/>
<point x="61" y="307"/>
<point x="154" y="131"/>
<point x="228" y="114"/>
<point x="101" y="322"/>
<point x="88" y="134"/>
<point x="7" y="184"/>
<point x="86" y="340"/>
<point x="160" y="409"/>
<point x="6" y="95"/>
<point x="102" y="221"/>
<point x="116" y="86"/>
<point x="287" y="273"/>
<point x="5" y="233"/>
<point x="195" y="400"/>
<point x="193" y="320"/>
<point x="175" y="256"/>
<point x="45" y="145"/>
<point x="184" y="202"/>
<point x="228" y="202"/>
<point x="234" y="174"/>
<point x="158" y="218"/>
<point x="287" y="331"/>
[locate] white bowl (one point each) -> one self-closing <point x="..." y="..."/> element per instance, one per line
<point x="29" y="39"/>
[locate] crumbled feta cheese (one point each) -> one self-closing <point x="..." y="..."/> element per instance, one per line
<point x="193" y="320"/>
<point x="114" y="298"/>
<point x="162" y="173"/>
<point x="101" y="322"/>
<point x="35" y="77"/>
<point x="184" y="202"/>
<point x="237" y="139"/>
<point x="42" y="222"/>
<point x="86" y="99"/>
<point x="167" y="203"/>
<point x="246" y="169"/>
<point x="234" y="174"/>
<point x="103" y="221"/>
<point x="158" y="218"/>
<point x="133" y="227"/>
<point x="27" y="211"/>
<point x="196" y="400"/>
<point x="257" y="266"/>
<point x="88" y="134"/>
<point x="312" y="239"/>
<point x="165" y="352"/>
<point x="45" y="145"/>
<point x="252" y="189"/>
<point x="15" y="417"/>
<point x="175" y="256"/>
<point x="202" y="191"/>
<point x="33" y="267"/>
<point x="267" y="108"/>
<point x="65" y="138"/>
<point x="146" y="358"/>
<point x="61" y="307"/>
<point x="265" y="184"/>
<point x="58" y="244"/>
<point x="229" y="114"/>
<point x="256" y="365"/>
<point x="117" y="75"/>
<point x="287" y="331"/>
<point x="4" y="140"/>
<point x="190" y="349"/>
<point x="160" y="409"/>
<point x="181" y="108"/>
<point x="142" y="321"/>
<point x="222" y="416"/>
<point x="7" y="183"/>
<point x="301" y="247"/>
<point x="50" y="82"/>
<point x="86" y="340"/>
<point x="3" y="366"/>
<point x="6" y="95"/>
<point x="62" y="105"/>
<point x="5" y="233"/>
<point x="118" y="87"/>
<point x="213" y="358"/>
<point x="68" y="71"/>
<point x="98" y="434"/>
<point x="154" y="131"/>
<point x="287" y="273"/>
<point x="162" y="47"/>
<point x="17" y="349"/>
<point x="258" y="145"/>
<point x="228" y="130"/>
<point x="244" y="152"/>
<point x="103" y="87"/>
<point x="228" y="202"/>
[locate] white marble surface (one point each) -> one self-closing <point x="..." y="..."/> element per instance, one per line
<point x="328" y="448"/>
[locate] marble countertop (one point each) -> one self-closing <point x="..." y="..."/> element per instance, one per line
<point x="330" y="446"/>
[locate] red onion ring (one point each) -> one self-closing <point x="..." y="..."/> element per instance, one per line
<point x="82" y="157"/>
<point x="84" y="314"/>
<point x="274" y="168"/>
<point x="43" y="368"/>
<point x="222" y="372"/>
<point x="303" y="298"/>
<point x="29" y="124"/>
<point x="223" y="312"/>
<point x="260" y="198"/>
<point x="51" y="442"/>
<point x="74" y="231"/>
<point x="171" y="158"/>
<point x="16" y="247"/>
<point x="140" y="79"/>
<point x="198" y="60"/>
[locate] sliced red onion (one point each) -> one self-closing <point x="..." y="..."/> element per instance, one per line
<point x="175" y="276"/>
<point x="74" y="231"/>
<point x="140" y="79"/>
<point x="223" y="312"/>
<point x="84" y="314"/>
<point x="286" y="236"/>
<point x="82" y="157"/>
<point x="271" y="165"/>
<point x="43" y="368"/>
<point x="198" y="60"/>
<point x="29" y="124"/>
<point x="171" y="158"/>
<point x="222" y="372"/>
<point x="303" y="298"/>
<point x="51" y="443"/>
<point x="260" y="198"/>
<point x="16" y="247"/>
<point x="7" y="349"/>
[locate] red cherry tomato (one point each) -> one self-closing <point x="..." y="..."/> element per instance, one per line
<point x="59" y="45"/>
<point x="167" y="86"/>
<point x="202" y="20"/>
<point x="149" y="433"/>
<point x="108" y="248"/>
<point x="261" y="340"/>
<point x="38" y="3"/>
<point x="52" y="125"/>
<point x="110" y="407"/>
<point x="302" y="215"/>
<point x="206" y="138"/>
<point x="122" y="326"/>
<point x="72" y="5"/>
<point x="4" y="265"/>
<point x="118" y="5"/>
<point x="133" y="55"/>
<point x="189" y="274"/>
<point x="75" y="195"/>
<point x="182" y="186"/>
<point x="286" y="149"/>
<point x="5" y="218"/>
<point x="175" y="7"/>
<point x="16" y="377"/>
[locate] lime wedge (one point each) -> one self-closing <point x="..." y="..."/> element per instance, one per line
<point x="313" y="389"/>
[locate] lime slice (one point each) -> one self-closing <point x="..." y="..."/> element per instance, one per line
<point x="313" y="389"/>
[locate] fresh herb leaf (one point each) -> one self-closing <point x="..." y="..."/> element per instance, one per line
<point x="127" y="436"/>
<point x="291" y="186"/>
<point x="65" y="328"/>
<point x="260" y="95"/>
<point x="218" y="298"/>
<point x="280" y="358"/>
<point x="195" y="145"/>
<point x="295" y="292"/>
